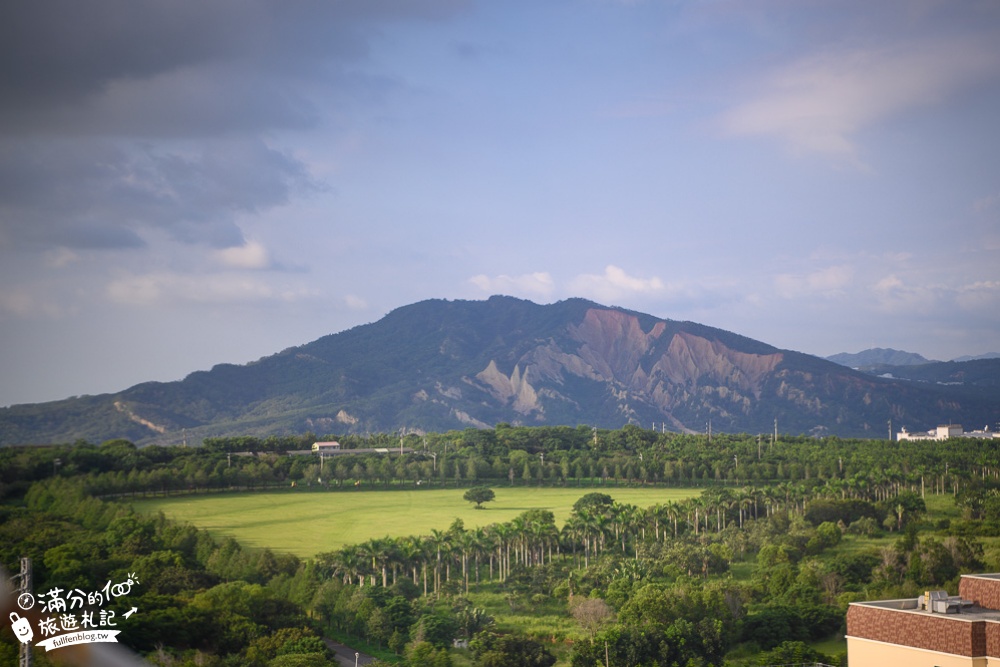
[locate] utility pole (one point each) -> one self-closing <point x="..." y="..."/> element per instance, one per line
<point x="24" y="651"/>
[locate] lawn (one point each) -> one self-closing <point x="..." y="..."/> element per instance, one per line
<point x="309" y="521"/>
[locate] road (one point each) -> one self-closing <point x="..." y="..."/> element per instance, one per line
<point x="345" y="654"/>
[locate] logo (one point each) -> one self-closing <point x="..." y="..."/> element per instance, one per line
<point x="21" y="628"/>
<point x="73" y="617"/>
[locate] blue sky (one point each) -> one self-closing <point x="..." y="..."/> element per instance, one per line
<point x="189" y="183"/>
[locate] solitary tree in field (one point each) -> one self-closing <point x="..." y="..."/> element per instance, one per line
<point x="479" y="495"/>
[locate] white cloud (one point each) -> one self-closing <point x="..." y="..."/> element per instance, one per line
<point x="21" y="303"/>
<point x="215" y="288"/>
<point x="819" y="104"/>
<point x="894" y="295"/>
<point x="355" y="302"/>
<point x="250" y="255"/>
<point x="983" y="295"/>
<point x="539" y="284"/>
<point x="829" y="282"/>
<point x="614" y="284"/>
<point x="986" y="204"/>
<point x="58" y="258"/>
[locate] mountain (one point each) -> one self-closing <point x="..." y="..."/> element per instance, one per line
<point x="979" y="357"/>
<point x="439" y="365"/>
<point x="978" y="378"/>
<point x="877" y="356"/>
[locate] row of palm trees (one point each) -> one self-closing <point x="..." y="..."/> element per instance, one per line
<point x="531" y="539"/>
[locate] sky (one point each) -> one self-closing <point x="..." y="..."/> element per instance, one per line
<point x="189" y="183"/>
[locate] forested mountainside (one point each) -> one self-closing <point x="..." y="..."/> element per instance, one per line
<point x="439" y="365"/>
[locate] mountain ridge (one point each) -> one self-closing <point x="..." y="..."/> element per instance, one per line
<point x="437" y="365"/>
<point x="878" y="356"/>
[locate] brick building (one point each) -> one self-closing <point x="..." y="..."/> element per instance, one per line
<point x="934" y="630"/>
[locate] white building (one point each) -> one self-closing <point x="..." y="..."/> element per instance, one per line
<point x="332" y="446"/>
<point x="946" y="431"/>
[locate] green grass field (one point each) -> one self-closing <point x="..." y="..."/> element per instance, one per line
<point x="306" y="522"/>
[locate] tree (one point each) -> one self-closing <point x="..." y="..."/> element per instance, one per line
<point x="593" y="502"/>
<point x="792" y="652"/>
<point x="479" y="495"/>
<point x="492" y="650"/>
<point x="591" y="614"/>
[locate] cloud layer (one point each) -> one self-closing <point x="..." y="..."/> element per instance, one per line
<point x="251" y="175"/>
<point x="820" y="103"/>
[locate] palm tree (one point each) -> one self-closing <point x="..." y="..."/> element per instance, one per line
<point x="695" y="504"/>
<point x="501" y="533"/>
<point x="426" y="553"/>
<point x="602" y="527"/>
<point x="518" y="528"/>
<point x="746" y="501"/>
<point x="768" y="495"/>
<point x="393" y="557"/>
<point x="466" y="543"/>
<point x="375" y="552"/>
<point x="345" y="563"/>
<point x="591" y="525"/>
<point x="572" y="532"/>
<point x="437" y="541"/>
<point x="720" y="500"/>
<point x="673" y="513"/>
<point x="410" y="551"/>
<point x="632" y="524"/>
<point x="480" y="545"/>
<point x="622" y="517"/>
<point x="654" y="513"/>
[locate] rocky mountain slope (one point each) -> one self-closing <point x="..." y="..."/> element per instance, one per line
<point x="439" y="365"/>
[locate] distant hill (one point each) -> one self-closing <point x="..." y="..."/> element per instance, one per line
<point x="877" y="356"/>
<point x="439" y="365"/>
<point x="980" y="357"/>
<point x="978" y="379"/>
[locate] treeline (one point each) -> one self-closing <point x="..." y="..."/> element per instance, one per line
<point x="515" y="456"/>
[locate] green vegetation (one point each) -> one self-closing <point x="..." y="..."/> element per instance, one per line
<point x="306" y="522"/>
<point x="600" y="549"/>
<point x="479" y="495"/>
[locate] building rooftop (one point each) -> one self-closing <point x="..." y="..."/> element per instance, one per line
<point x="901" y="632"/>
<point x="972" y="612"/>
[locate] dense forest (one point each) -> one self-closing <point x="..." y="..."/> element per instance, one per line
<point x="750" y="572"/>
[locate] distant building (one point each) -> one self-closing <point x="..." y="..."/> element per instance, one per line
<point x="946" y="431"/>
<point x="933" y="630"/>
<point x="332" y="446"/>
